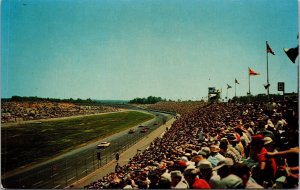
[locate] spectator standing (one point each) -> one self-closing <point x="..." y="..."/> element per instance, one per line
<point x="266" y="166"/>
<point x="117" y="157"/>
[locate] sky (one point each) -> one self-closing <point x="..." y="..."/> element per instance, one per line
<point x="123" y="49"/>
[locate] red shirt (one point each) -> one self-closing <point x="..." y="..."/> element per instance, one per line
<point x="271" y="161"/>
<point x="200" y="184"/>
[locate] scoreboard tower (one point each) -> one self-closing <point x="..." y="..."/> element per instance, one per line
<point x="213" y="94"/>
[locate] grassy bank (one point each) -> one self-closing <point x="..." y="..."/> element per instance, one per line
<point x="31" y="142"/>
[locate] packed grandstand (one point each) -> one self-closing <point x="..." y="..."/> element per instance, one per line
<point x="217" y="145"/>
<point x="16" y="111"/>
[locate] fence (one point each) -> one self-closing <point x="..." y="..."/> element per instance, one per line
<point x="60" y="174"/>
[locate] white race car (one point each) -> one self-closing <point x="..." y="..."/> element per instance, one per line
<point x="103" y="145"/>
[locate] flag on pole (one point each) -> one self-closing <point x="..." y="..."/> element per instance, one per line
<point x="252" y="73"/>
<point x="292" y="53"/>
<point x="236" y="82"/>
<point x="228" y="86"/>
<point x="267" y="86"/>
<point x="269" y="50"/>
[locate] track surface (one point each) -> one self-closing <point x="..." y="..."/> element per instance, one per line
<point x="74" y="165"/>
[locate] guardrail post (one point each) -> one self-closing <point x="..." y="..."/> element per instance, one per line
<point x="52" y="173"/>
<point x="93" y="161"/>
<point x="76" y="169"/>
<point x="105" y="156"/>
<point x="86" y="168"/>
<point x="66" y="172"/>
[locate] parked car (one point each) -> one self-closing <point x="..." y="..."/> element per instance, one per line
<point x="144" y="130"/>
<point x="131" y="131"/>
<point x="103" y="145"/>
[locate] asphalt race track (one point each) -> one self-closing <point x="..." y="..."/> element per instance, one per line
<point x="72" y="166"/>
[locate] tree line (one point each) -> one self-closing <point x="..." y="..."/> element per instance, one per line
<point x="148" y="100"/>
<point x="263" y="98"/>
<point x="39" y="99"/>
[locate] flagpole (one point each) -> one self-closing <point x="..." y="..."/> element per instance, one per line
<point x="249" y="81"/>
<point x="221" y="94"/>
<point x="298" y="69"/>
<point x="249" y="86"/>
<point x="226" y="93"/>
<point x="267" y="70"/>
<point x="235" y="88"/>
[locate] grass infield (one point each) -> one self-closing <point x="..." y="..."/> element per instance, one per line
<point x="26" y="143"/>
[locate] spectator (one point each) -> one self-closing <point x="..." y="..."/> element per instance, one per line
<point x="216" y="123"/>
<point x="290" y="166"/>
<point x="266" y="166"/>
<point x="229" y="150"/>
<point x="228" y="179"/>
<point x="117" y="157"/>
<point x="178" y="181"/>
<point x="154" y="179"/>
<point x="263" y="131"/>
<point x="190" y="174"/>
<point x="215" y="157"/>
<point x="165" y="181"/>
<point x="244" y="172"/>
<point x="208" y="174"/>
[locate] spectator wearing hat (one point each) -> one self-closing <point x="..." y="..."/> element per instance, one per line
<point x="208" y="174"/>
<point x="266" y="166"/>
<point x="215" y="157"/>
<point x="180" y="165"/>
<point x="203" y="154"/>
<point x="269" y="144"/>
<point x="164" y="181"/>
<point x="178" y="181"/>
<point x="263" y="131"/>
<point x="228" y="179"/>
<point x="230" y="151"/>
<point x="187" y="162"/>
<point x="191" y="176"/>
<point x="244" y="172"/>
<point x="196" y="159"/>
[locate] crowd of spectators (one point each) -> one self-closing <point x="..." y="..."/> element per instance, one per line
<point x="181" y="108"/>
<point x="220" y="145"/>
<point x="22" y="111"/>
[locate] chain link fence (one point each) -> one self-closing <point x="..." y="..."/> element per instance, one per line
<point x="61" y="174"/>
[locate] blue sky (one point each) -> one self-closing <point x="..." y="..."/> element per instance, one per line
<point x="126" y="49"/>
